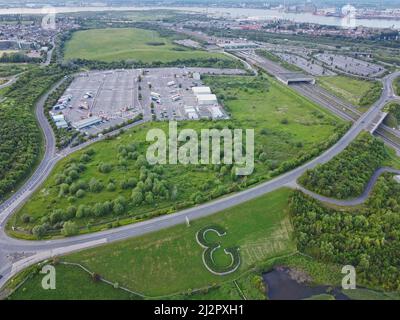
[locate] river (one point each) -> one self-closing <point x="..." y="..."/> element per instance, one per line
<point x="224" y="12"/>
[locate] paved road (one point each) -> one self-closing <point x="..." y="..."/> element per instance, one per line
<point x="35" y="251"/>
<point x="350" y="202"/>
<point x="10" y="81"/>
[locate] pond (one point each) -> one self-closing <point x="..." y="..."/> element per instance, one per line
<point x="287" y="284"/>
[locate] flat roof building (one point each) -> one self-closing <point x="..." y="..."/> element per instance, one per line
<point x="61" y="124"/>
<point x="91" y="121"/>
<point x="207" y="99"/>
<point x="58" y="117"/>
<point x="201" y="90"/>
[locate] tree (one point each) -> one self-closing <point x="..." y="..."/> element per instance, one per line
<point x="26" y="218"/>
<point x="149" y="198"/>
<point x="99" y="210"/>
<point x="39" y="231"/>
<point x="80" y="193"/>
<point x="137" y="197"/>
<point x="118" y="208"/>
<point x="105" y="168"/>
<point x="111" y="187"/>
<point x="56" y="216"/>
<point x="95" y="185"/>
<point x="70" y="228"/>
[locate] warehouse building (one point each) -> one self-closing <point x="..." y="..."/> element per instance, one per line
<point x="201" y="90"/>
<point x="207" y="99"/>
<point x="82" y="124"/>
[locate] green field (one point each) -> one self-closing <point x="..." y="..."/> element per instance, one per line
<point x="72" y="283"/>
<point x="170" y="261"/>
<point x="10" y="69"/>
<point x="396" y="85"/>
<point x="288" y="131"/>
<point x="354" y="91"/>
<point x="129" y="44"/>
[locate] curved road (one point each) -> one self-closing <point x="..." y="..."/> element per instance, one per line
<point x="350" y="202"/>
<point x="24" y="253"/>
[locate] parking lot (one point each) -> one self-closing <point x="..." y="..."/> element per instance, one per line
<point x="97" y="100"/>
<point x="308" y="65"/>
<point x="351" y="65"/>
<point x="109" y="95"/>
<point x="166" y="93"/>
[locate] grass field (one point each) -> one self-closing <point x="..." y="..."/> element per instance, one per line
<point x="350" y="89"/>
<point x="129" y="44"/>
<point x="72" y="283"/>
<point x="9" y="69"/>
<point x="396" y="85"/>
<point x="262" y="104"/>
<point x="170" y="261"/>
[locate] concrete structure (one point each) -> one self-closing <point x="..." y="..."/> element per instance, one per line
<point x="191" y="113"/>
<point x="58" y="117"/>
<point x="237" y="45"/>
<point x="207" y="99"/>
<point x="196" y="76"/>
<point x="201" y="90"/>
<point x="377" y="121"/>
<point x="91" y="121"/>
<point x="216" y="112"/>
<point x="294" y="77"/>
<point x="62" y="124"/>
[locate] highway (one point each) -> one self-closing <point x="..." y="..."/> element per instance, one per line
<point x="17" y="254"/>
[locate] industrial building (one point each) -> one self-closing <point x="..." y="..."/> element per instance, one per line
<point x="59" y="120"/>
<point x="82" y="124"/>
<point x="206" y="99"/>
<point x="191" y="113"/>
<point x="201" y="90"/>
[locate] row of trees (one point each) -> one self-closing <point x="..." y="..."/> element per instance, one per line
<point x="21" y="140"/>
<point x="372" y="95"/>
<point x="17" y="57"/>
<point x="346" y="175"/>
<point x="368" y="239"/>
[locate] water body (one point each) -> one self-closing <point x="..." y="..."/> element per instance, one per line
<point x="226" y="12"/>
<point x="281" y="286"/>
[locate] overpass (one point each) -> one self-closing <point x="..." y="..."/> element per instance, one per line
<point x="377" y="121"/>
<point x="294" y="77"/>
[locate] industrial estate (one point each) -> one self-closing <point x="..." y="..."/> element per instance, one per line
<point x="318" y="103"/>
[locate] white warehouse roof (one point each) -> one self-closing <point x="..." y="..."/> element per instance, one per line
<point x="58" y="117"/>
<point x="201" y="90"/>
<point x="86" y="122"/>
<point x="207" y="97"/>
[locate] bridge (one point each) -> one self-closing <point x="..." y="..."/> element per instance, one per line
<point x="377" y="121"/>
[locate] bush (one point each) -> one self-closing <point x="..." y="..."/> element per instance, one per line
<point x="70" y="228"/>
<point x="80" y="193"/>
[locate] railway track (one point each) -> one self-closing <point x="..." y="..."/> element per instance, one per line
<point x="346" y="111"/>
